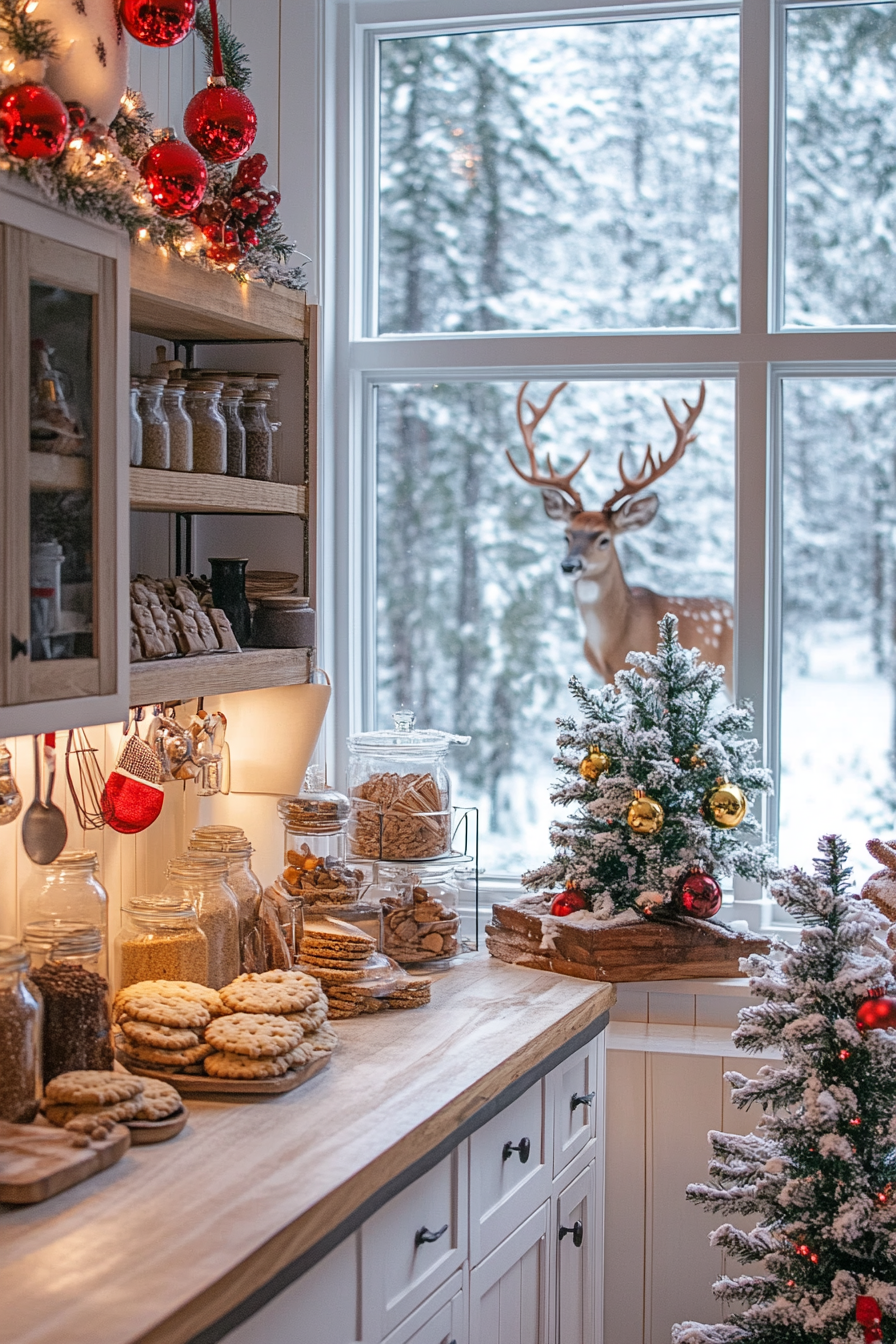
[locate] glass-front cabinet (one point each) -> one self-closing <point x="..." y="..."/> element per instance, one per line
<point x="63" y="435"/>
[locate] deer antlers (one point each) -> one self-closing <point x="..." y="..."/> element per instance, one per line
<point x="527" y="429"/>
<point x="651" y="471"/>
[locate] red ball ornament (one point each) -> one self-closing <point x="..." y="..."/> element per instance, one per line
<point x="697" y="894"/>
<point x="226" y="250"/>
<point x="176" y="176"/>
<point x="78" y="117"/>
<point x="33" y="122"/>
<point x="158" y="23"/>
<point x="220" y="122"/>
<point x="568" y="902"/>
<point x="877" y="1011"/>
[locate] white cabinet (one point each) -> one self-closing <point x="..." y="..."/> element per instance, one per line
<point x="510" y="1169"/>
<point x="441" y="1320"/>
<point x="319" y="1308"/>
<point x="509" y="1290"/>
<point x="574" y="1093"/>
<point x="575" y="1226"/>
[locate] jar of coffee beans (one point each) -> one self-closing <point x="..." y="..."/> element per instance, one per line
<point x="259" y="436"/>
<point x="65" y="959"/>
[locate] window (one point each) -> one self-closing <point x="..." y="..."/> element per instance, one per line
<point x="630" y="202"/>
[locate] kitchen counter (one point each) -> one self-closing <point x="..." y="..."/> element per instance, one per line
<point x="176" y="1235"/>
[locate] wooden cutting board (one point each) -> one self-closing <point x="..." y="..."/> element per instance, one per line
<point x="37" y="1161"/>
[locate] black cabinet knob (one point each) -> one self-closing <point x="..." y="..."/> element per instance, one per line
<point x="18" y="647"/>
<point x="585" y="1099"/>
<point x="424" y="1236"/>
<point x="577" y="1232"/>
<point x="524" y="1148"/>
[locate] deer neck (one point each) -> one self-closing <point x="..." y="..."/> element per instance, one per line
<point x="605" y="604"/>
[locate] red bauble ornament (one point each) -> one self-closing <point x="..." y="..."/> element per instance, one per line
<point x="176" y="176"/>
<point x="220" y="122"/>
<point x="33" y="122"/>
<point x="568" y="902"/>
<point x="226" y="250"/>
<point x="78" y="117"/>
<point x="158" y="23"/>
<point x="876" y="1011"/>
<point x="697" y="894"/>
<point x="869" y="1317"/>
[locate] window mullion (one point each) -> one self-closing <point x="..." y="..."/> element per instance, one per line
<point x="755" y="127"/>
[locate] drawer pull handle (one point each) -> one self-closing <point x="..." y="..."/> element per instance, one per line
<point x="584" y="1099"/>
<point x="577" y="1231"/>
<point x="424" y="1236"/>
<point x="17" y="648"/>
<point x="524" y="1148"/>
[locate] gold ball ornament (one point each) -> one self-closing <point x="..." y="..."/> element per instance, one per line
<point x="725" y="805"/>
<point x="595" y="764"/>
<point x="645" y="815"/>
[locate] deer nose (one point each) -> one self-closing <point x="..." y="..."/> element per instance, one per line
<point x="572" y="564"/>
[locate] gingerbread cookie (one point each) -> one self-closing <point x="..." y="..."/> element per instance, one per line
<point x="256" y="1035"/>
<point x="92" y="1088"/>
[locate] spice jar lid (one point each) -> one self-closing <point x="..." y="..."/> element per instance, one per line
<point x="64" y="938"/>
<point x="206" y="385"/>
<point x="405" y="738"/>
<point x="241" y="380"/>
<point x="195" y="862"/>
<point x="13" y="956"/>
<point x="235" y="848"/>
<point x="314" y="809"/>
<point x="223" y="832"/>
<point x="250" y="395"/>
<point x="73" y="858"/>
<point x="160" y="909"/>
<point x="269" y="380"/>
<point x="153" y="382"/>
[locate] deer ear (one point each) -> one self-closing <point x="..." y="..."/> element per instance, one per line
<point x="557" y="506"/>
<point x="635" y="513"/>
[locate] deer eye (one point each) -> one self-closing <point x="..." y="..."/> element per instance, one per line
<point x="603" y="542"/>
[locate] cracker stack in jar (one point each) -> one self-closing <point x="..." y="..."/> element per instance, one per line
<point x="356" y="978"/>
<point x="420" y="910"/>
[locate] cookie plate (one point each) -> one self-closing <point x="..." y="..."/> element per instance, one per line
<point x="157" y="1131"/>
<point x="201" y="1085"/>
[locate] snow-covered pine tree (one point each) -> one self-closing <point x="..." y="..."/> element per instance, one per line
<point x="820" y="1170"/>
<point x="662" y="735"/>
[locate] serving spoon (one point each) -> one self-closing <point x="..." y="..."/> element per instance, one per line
<point x="44" y="831"/>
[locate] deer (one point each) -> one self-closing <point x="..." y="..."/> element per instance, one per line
<point x="619" y="619"/>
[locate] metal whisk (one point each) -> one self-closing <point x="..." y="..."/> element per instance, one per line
<point x="85" y="780"/>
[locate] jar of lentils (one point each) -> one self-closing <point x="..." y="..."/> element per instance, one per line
<point x="180" y="425"/>
<point x="209" y="426"/>
<point x="259" y="436"/>
<point x="156" y="433"/>
<point x="231" y="399"/>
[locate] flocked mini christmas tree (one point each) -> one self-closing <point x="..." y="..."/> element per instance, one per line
<point x="660" y="779"/>
<point x="820" y="1168"/>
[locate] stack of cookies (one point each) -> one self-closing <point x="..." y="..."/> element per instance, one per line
<point x="343" y="958"/>
<point x="161" y="1024"/>
<point x="90" y="1101"/>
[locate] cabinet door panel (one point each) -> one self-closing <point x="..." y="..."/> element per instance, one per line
<point x="509" y="1289"/>
<point x="505" y="1188"/>
<point x="573" y="1089"/>
<point x="400" y="1265"/>
<point x="574" y="1284"/>
<point x="319" y="1308"/>
<point x="446" y="1324"/>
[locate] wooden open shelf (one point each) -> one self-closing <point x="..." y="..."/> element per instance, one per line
<point x="178" y="299"/>
<point x="168" y="679"/>
<point x="52" y="471"/>
<point x="194" y="492"/>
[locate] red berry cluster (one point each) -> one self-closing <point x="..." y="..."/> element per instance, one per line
<point x="231" y="222"/>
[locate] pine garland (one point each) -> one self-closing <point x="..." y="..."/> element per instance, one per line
<point x="33" y="39"/>
<point x="234" y="56"/>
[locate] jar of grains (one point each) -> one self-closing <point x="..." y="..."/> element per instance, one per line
<point x="259" y="436"/>
<point x="160" y="939"/>
<point x="233" y="844"/>
<point x="209" y="426"/>
<point x="21" y="1024"/>
<point x="64" y="961"/>
<point x="68" y="889"/>
<point x="179" y="424"/>
<point x="231" y="398"/>
<point x="136" y="424"/>
<point x="201" y="878"/>
<point x="156" y="434"/>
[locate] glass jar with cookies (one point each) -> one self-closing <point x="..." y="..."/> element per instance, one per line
<point x="400" y="792"/>
<point x="420" y="910"/>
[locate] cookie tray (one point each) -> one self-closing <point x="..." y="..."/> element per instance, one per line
<point x="201" y="1085"/>
<point x="157" y="1131"/>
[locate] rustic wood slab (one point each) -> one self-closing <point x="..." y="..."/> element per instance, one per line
<point x="38" y="1161"/>
<point x="258" y="1185"/>
<point x="650" y="950"/>
<point x="201" y="1085"/>
<point x="161" y="679"/>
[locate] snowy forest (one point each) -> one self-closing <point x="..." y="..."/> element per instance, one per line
<point x="533" y="179"/>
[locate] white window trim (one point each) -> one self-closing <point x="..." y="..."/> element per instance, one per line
<point x="759" y="354"/>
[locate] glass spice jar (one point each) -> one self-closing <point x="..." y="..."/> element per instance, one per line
<point x="209" y="426"/>
<point x="259" y="436"/>
<point x="136" y="424"/>
<point x="160" y="939"/>
<point x="68" y="889"/>
<point x="156" y="450"/>
<point x="200" y="877"/>
<point x="232" y="842"/>
<point x="180" y="425"/>
<point x="231" y="399"/>
<point x="64" y="961"/>
<point x="21" y="1029"/>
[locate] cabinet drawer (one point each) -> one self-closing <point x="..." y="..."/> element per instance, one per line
<point x="509" y="1290"/>
<point x="573" y="1094"/>
<point x="441" y="1320"/>
<point x="413" y="1244"/>
<point x="510" y="1170"/>
<point x="577" y="1254"/>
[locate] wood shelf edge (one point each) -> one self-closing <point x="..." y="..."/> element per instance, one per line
<point x="167" y="679"/>
<point x="154" y="491"/>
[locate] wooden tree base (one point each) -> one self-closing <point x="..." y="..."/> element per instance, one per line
<point x="682" y="949"/>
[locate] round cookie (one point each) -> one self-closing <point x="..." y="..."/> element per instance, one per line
<point x="311" y="1018"/>
<point x="92" y="1087"/>
<point x="122" y="1110"/>
<point x="177" y="989"/>
<point x="270" y="992"/>
<point x="322" y="1042"/>
<point x="155" y="1034"/>
<point x="148" y="1054"/>
<point x="159" y="1100"/>
<point x="167" y="1011"/>
<point x="226" y="1065"/>
<point x="255" y="1035"/>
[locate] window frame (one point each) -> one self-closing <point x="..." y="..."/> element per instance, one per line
<point x="759" y="353"/>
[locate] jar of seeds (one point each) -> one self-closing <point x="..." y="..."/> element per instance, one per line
<point x="64" y="960"/>
<point x="21" y="1027"/>
<point x="259" y="436"/>
<point x="160" y="939"/>
<point x="179" y="424"/>
<point x="209" y="426"/>
<point x="200" y="877"/>
<point x="156" y="434"/>
<point x="136" y="424"/>
<point x="231" y="398"/>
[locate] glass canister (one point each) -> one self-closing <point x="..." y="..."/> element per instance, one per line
<point x="259" y="436"/>
<point x="68" y="889"/>
<point x="156" y="437"/>
<point x="64" y="961"/>
<point x="400" y="792"/>
<point x="200" y="877"/>
<point x="160" y="939"/>
<point x="420" y="910"/>
<point x="231" y="841"/>
<point x="136" y="424"/>
<point x="231" y="400"/>
<point x="179" y="424"/>
<point x="21" y="1029"/>
<point x="209" y="426"/>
